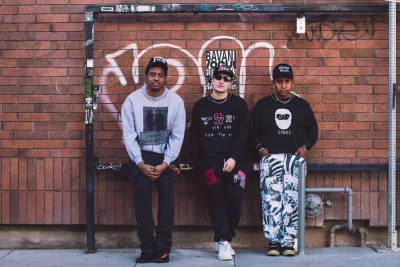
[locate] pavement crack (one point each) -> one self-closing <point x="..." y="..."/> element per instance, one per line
<point x="7" y="254"/>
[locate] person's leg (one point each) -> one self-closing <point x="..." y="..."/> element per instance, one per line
<point x="144" y="215"/>
<point x="271" y="185"/>
<point x="234" y="198"/>
<point x="166" y="213"/>
<point x="218" y="213"/>
<point x="290" y="203"/>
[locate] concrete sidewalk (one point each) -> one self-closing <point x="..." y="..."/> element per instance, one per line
<point x="343" y="256"/>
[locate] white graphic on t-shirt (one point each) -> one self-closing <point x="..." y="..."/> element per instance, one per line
<point x="283" y="118"/>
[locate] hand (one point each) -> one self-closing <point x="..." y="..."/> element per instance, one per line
<point x="148" y="170"/>
<point x="159" y="169"/>
<point x="229" y="165"/>
<point x="302" y="151"/>
<point x="263" y="152"/>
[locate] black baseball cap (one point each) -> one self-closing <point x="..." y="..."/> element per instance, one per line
<point x="224" y="69"/>
<point x="282" y="71"/>
<point x="157" y="62"/>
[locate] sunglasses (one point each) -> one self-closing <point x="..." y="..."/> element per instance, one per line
<point x="225" y="78"/>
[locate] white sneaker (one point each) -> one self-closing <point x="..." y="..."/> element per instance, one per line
<point x="217" y="244"/>
<point x="224" y="253"/>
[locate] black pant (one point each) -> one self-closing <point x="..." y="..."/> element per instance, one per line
<point x="143" y="206"/>
<point x="225" y="199"/>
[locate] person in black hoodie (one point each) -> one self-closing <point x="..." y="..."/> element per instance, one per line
<point x="284" y="129"/>
<point x="219" y="130"/>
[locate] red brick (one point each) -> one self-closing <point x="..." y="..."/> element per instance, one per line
<point x="75" y="207"/>
<point x="49" y="144"/>
<point x="346" y="126"/>
<point x="67" y="27"/>
<point x="18" y="72"/>
<point x="382" y="126"/>
<point x="370" y="135"/>
<point x="14" y="174"/>
<point x="31" y="208"/>
<point x="53" y="18"/>
<point x="22" y="208"/>
<point x="67" y="117"/>
<point x="372" y="153"/>
<point x="64" y="9"/>
<point x="372" y="99"/>
<point x="338" y="135"/>
<point x="339" y="153"/>
<point x="338" y="44"/>
<point x="19" y="18"/>
<point x="80" y="126"/>
<point x="8" y="117"/>
<point x="19" y="36"/>
<point x="34" y="80"/>
<point x="9" y="153"/>
<point x="8" y="63"/>
<point x="77" y="143"/>
<point x="8" y="81"/>
<point x="31" y="174"/>
<point x="19" y="54"/>
<point x="14" y="214"/>
<point x="356" y="71"/>
<point x="8" y="28"/>
<point x="66" y="208"/>
<point x="46" y="108"/>
<point x="338" y="80"/>
<point x="51" y="36"/>
<point x="323" y="53"/>
<point x="329" y="98"/>
<point x="57" y="208"/>
<point x="20" y="126"/>
<point x="51" y="72"/>
<point x="68" y="135"/>
<point x="329" y="71"/>
<point x="48" y="208"/>
<point x="370" y="44"/>
<point x="34" y="9"/>
<point x="40" y="208"/>
<point x="8" y="10"/>
<point x="8" y="99"/>
<point x="33" y="135"/>
<point x="335" y="62"/>
<point x="356" y="53"/>
<point x="48" y="174"/>
<point x="374" y="62"/>
<point x="345" y="144"/>
<point x="66" y="174"/>
<point x="371" y="117"/>
<point x="34" y="63"/>
<point x="34" y="27"/>
<point x="327" y="144"/>
<point x="325" y="108"/>
<point x="49" y="126"/>
<point x="34" y="153"/>
<point x="356" y="107"/>
<point x="16" y="144"/>
<point x="381" y="144"/>
<point x="323" y="126"/>
<point x="75" y="174"/>
<point x="34" y="99"/>
<point x="67" y="153"/>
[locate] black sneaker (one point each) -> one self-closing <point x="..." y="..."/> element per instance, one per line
<point x="145" y="257"/>
<point x="161" y="257"/>
<point x="273" y="248"/>
<point x="288" y="251"/>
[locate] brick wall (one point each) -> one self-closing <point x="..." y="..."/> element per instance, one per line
<point x="340" y="65"/>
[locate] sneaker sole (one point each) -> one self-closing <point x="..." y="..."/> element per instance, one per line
<point x="290" y="253"/>
<point x="225" y="259"/>
<point x="273" y="253"/>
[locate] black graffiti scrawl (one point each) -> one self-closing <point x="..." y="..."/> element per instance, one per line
<point x="154" y="126"/>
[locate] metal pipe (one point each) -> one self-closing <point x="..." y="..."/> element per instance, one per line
<point x="392" y="233"/>
<point x="349" y="200"/>
<point x="301" y="207"/>
<point x="363" y="234"/>
<point x="332" y="234"/>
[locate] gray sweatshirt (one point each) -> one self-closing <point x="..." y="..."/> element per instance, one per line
<point x="155" y="124"/>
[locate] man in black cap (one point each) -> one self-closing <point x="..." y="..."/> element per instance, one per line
<point x="219" y="129"/>
<point x="152" y="151"/>
<point x="283" y="129"/>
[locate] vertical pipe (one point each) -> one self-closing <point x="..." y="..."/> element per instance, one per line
<point x="349" y="209"/>
<point x="392" y="233"/>
<point x="301" y="208"/>
<point x="89" y="130"/>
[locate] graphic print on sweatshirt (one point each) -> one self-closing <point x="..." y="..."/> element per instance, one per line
<point x="154" y="126"/>
<point x="218" y="125"/>
<point x="283" y="119"/>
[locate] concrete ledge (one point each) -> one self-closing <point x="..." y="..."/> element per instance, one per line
<point x="54" y="237"/>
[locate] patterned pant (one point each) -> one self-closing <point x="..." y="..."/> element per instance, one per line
<point x="279" y="197"/>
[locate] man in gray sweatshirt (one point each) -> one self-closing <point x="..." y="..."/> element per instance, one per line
<point x="153" y="120"/>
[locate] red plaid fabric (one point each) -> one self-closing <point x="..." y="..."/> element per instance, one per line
<point x="210" y="177"/>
